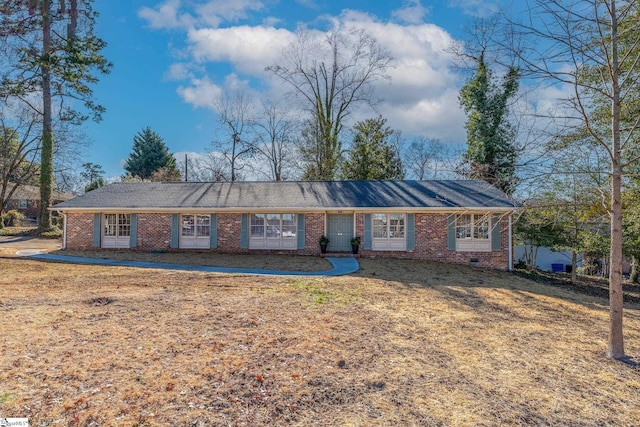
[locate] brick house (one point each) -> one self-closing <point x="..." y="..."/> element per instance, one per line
<point x="26" y="198"/>
<point x="456" y="221"/>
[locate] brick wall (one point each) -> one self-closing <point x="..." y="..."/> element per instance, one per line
<point x="431" y="244"/>
<point x="313" y="229"/>
<point x="154" y="233"/>
<point x="229" y="229"/>
<point x="80" y="231"/>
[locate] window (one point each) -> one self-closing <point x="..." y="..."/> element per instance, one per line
<point x="389" y="231"/>
<point x="472" y="232"/>
<point x="23" y="204"/>
<point x="116" y="230"/>
<point x="196" y="231"/>
<point x="273" y="231"/>
<point x="117" y="225"/>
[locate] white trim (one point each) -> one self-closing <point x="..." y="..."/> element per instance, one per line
<point x="64" y="231"/>
<point x="472" y="244"/>
<point x="389" y="243"/>
<point x="510" y="238"/>
<point x="196" y="241"/>
<point x="289" y="242"/>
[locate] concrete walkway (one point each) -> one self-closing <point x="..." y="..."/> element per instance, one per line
<point x="341" y="266"/>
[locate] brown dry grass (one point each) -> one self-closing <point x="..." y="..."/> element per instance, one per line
<point x="400" y="343"/>
<point x="248" y="261"/>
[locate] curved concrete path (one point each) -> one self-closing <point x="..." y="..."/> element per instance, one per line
<point x="341" y="266"/>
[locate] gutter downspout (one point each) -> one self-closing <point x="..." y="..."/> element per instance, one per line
<point x="64" y="231"/>
<point x="510" y="243"/>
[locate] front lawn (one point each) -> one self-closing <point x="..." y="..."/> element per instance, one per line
<point x="399" y="343"/>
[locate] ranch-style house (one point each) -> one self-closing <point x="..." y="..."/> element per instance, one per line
<point x="455" y="221"/>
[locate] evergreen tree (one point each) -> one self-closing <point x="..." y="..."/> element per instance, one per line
<point x="51" y="53"/>
<point x="149" y="155"/>
<point x="373" y="156"/>
<point x="491" y="154"/>
<point x="93" y="174"/>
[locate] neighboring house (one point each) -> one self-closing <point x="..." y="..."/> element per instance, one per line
<point x="26" y="199"/>
<point x="546" y="258"/>
<point x="465" y="222"/>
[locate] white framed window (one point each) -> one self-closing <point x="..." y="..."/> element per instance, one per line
<point x="195" y="231"/>
<point x="116" y="230"/>
<point x="389" y="231"/>
<point x="473" y="232"/>
<point x="273" y="231"/>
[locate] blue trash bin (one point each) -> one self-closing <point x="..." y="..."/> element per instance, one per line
<point x="557" y="268"/>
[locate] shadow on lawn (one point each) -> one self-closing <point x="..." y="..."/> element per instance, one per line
<point x="460" y="280"/>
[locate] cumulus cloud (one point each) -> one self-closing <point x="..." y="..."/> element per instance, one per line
<point x="167" y="15"/>
<point x="419" y="99"/>
<point x="248" y="49"/>
<point x="170" y="14"/>
<point x="412" y="12"/>
<point x="201" y="93"/>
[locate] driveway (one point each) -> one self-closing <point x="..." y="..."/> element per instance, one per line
<point x="11" y="245"/>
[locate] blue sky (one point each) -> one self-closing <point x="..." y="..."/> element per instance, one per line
<point x="173" y="59"/>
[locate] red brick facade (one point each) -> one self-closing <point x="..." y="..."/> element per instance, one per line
<point x="154" y="233"/>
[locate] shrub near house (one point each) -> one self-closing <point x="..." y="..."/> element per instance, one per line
<point x="464" y="221"/>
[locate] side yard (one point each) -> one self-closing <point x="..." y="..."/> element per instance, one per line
<point x="400" y="343"/>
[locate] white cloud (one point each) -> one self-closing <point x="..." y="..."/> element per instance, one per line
<point x="201" y="93"/>
<point x="170" y="14"/>
<point x="420" y="98"/>
<point x="166" y="15"/>
<point x="412" y="12"/>
<point x="179" y="72"/>
<point x="477" y="8"/>
<point x="214" y="12"/>
<point x="248" y="49"/>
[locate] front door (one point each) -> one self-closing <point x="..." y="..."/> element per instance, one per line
<point x="339" y="232"/>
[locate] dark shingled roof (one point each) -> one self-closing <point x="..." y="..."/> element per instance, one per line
<point x="291" y="195"/>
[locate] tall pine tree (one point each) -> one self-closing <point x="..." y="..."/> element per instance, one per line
<point x="51" y="53"/>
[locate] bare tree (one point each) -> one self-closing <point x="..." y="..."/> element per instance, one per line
<point x="234" y="115"/>
<point x="593" y="48"/>
<point x="204" y="168"/>
<point x="19" y="151"/>
<point x="275" y="129"/>
<point x="331" y="76"/>
<point x="424" y="158"/>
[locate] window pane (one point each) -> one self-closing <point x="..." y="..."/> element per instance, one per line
<point x="188" y="226"/>
<point x="273" y="226"/>
<point x="396" y="226"/>
<point x="124" y="225"/>
<point x="463" y="227"/>
<point x="379" y="222"/>
<point x="204" y="226"/>
<point x="110" y="224"/>
<point x="481" y="227"/>
<point x="289" y="226"/>
<point x="257" y="226"/>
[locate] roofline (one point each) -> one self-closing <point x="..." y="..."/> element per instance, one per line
<point x="288" y="210"/>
